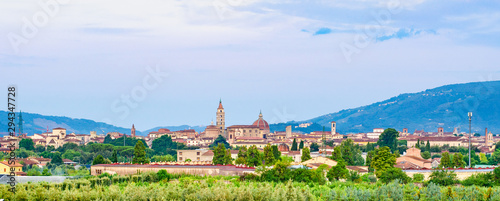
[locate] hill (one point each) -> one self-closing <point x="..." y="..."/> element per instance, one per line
<point x="445" y="106"/>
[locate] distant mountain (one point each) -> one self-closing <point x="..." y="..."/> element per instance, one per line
<point x="445" y="106"/>
<point x="37" y="123"/>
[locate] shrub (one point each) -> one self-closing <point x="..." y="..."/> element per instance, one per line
<point x="480" y="179"/>
<point x="354" y="176"/>
<point x="418" y="177"/>
<point x="163" y="174"/>
<point x="392" y="174"/>
<point x="443" y="177"/>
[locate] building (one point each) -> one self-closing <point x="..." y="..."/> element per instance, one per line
<point x="413" y="160"/>
<point x="439" y="141"/>
<point x="375" y="134"/>
<point x="6" y="168"/>
<point x="221" y="119"/>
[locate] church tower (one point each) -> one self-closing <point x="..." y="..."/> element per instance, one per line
<point x="221" y="119"/>
<point x="132" y="131"/>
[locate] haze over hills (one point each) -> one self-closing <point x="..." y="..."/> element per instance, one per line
<point x="445" y="106"/>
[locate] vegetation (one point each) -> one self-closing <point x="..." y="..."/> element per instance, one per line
<point x="218" y="140"/>
<point x="306" y="154"/>
<point x="389" y="138"/>
<point x="140" y="154"/>
<point x="294" y="145"/>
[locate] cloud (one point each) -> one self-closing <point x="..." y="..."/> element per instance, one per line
<point x="322" y="31"/>
<point x="404" y="33"/>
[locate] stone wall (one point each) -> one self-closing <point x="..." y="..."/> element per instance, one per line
<point x="461" y="174"/>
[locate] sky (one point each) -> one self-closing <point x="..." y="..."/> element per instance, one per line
<point x="165" y="63"/>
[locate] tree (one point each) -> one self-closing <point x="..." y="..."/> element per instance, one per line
<point x="426" y="155"/>
<point x="389" y="138"/>
<point x="458" y="161"/>
<point x="107" y="139"/>
<point x="351" y="153"/>
<point x="56" y="159"/>
<point x="253" y="157"/>
<point x="392" y="174"/>
<point x="383" y="160"/>
<point x="306" y="154"/>
<point x="418" y="144"/>
<point x="428" y="146"/>
<point x="39" y="149"/>
<point x="301" y="145"/>
<point x="483" y="158"/>
<point x="242" y="156"/>
<point x="46" y="172"/>
<point x="314" y="147"/>
<point x="27" y="143"/>
<point x="98" y="160"/>
<point x="338" y="171"/>
<point x="228" y="160"/>
<point x="218" y="140"/>
<point x="114" y="157"/>
<point x="161" y="144"/>
<point x="294" y="145"/>
<point x="444" y="177"/>
<point x="268" y="155"/>
<point x="164" y="158"/>
<point x="276" y="152"/>
<point x="445" y="161"/>
<point x="140" y="154"/>
<point x="369" y="159"/>
<point x="219" y="153"/>
<point x="336" y="154"/>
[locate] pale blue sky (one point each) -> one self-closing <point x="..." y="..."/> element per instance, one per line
<point x="294" y="60"/>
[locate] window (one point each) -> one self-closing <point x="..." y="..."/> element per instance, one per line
<point x="250" y="131"/>
<point x="180" y="158"/>
<point x="198" y="158"/>
<point x="180" y="153"/>
<point x="198" y="153"/>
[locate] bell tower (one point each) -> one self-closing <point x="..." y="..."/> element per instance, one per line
<point x="132" y="131"/>
<point x="221" y="119"/>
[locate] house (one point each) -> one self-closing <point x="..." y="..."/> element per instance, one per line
<point x="413" y="160"/>
<point x="69" y="162"/>
<point x="5" y="168"/>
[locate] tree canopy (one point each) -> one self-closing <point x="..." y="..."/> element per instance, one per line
<point x="389" y="138"/>
<point x="27" y="143"/>
<point x="140" y="154"/>
<point x="219" y="140"/>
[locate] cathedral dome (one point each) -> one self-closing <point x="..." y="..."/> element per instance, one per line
<point x="261" y="123"/>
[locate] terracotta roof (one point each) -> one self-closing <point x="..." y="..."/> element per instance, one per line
<point x="407" y="165"/>
<point x="243" y="126"/>
<point x="249" y="138"/>
<point x="67" y="161"/>
<point x="250" y="143"/>
<point x="436" y="139"/>
<point x="358" y="168"/>
<point x="11" y="165"/>
<point x="220" y="105"/>
<point x="208" y="153"/>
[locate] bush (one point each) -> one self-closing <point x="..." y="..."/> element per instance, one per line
<point x="163" y="174"/>
<point x="480" y="179"/>
<point x="354" y="176"/>
<point x="392" y="174"/>
<point x="418" y="177"/>
<point x="443" y="177"/>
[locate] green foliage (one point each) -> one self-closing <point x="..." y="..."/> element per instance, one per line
<point x="99" y="159"/>
<point x="56" y="159"/>
<point x="389" y="138"/>
<point x="306" y="154"/>
<point x="242" y="156"/>
<point x="219" y="153"/>
<point x="350" y="153"/>
<point x="162" y="144"/>
<point x="114" y="157"/>
<point x="164" y="158"/>
<point x="436" y="156"/>
<point x="276" y="152"/>
<point x="428" y="146"/>
<point x="46" y="172"/>
<point x="140" y="154"/>
<point x="480" y="179"/>
<point x="107" y="139"/>
<point x="425" y="154"/>
<point x="253" y="157"/>
<point x="338" y="171"/>
<point x="163" y="175"/>
<point x="445" y="161"/>
<point x="23" y="153"/>
<point x="301" y="144"/>
<point x="314" y="147"/>
<point x="27" y="143"/>
<point x="294" y="145"/>
<point x="392" y="174"/>
<point x="443" y="177"/>
<point x="227" y="158"/>
<point x="219" y="140"/>
<point x="457" y="160"/>
<point x="269" y="157"/>
<point x="418" y="177"/>
<point x="383" y="160"/>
